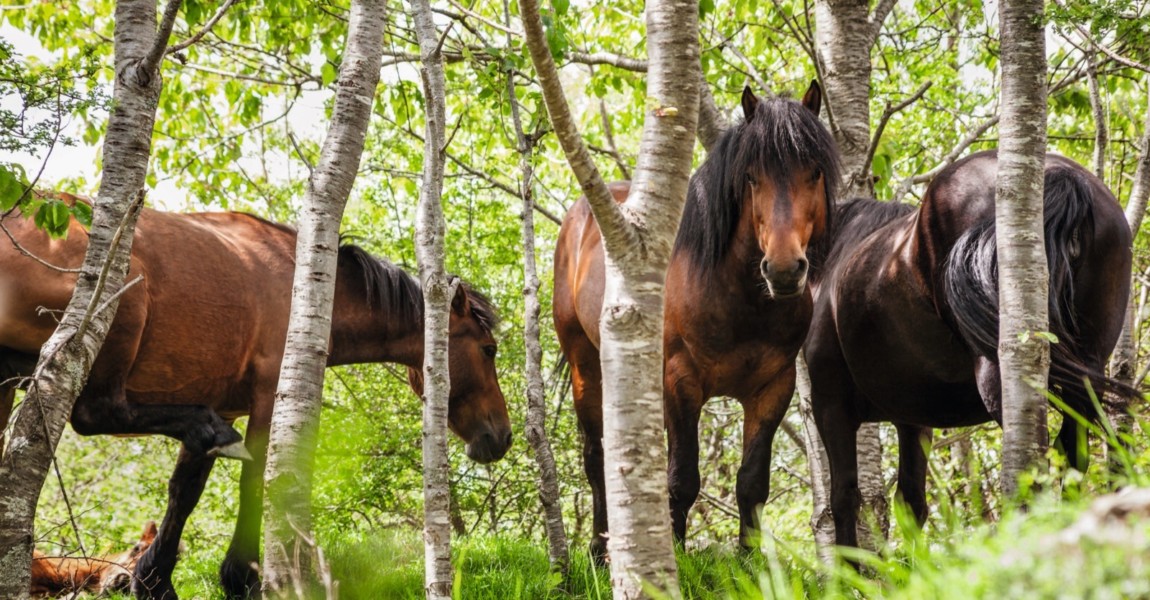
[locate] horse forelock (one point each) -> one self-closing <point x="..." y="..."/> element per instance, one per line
<point x="781" y="139"/>
<point x="482" y="309"/>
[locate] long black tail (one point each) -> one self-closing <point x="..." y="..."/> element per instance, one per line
<point x="971" y="287"/>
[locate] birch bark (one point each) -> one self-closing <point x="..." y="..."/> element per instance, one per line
<point x="67" y="357"/>
<point x="637" y="239"/>
<point x="1024" y="358"/>
<point x="845" y="34"/>
<point x="295" y="416"/>
<point x="437" y="296"/>
<point x="548" y="479"/>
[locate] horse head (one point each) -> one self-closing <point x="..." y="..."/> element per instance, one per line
<point x="119" y="568"/>
<point x="477" y="410"/>
<point x="787" y="167"/>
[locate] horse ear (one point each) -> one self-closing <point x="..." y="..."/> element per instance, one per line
<point x="750" y="102"/>
<point x="460" y="303"/>
<point x="813" y="99"/>
<point x="150" y="531"/>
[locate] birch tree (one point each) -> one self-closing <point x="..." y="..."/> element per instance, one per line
<point x="536" y="403"/>
<point x="637" y="239"/>
<point x="1023" y="352"/>
<point x="67" y="357"/>
<point x="846" y="31"/>
<point x="438" y="292"/>
<point x="295" y="417"/>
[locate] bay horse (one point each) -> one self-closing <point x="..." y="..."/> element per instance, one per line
<point x="199" y="342"/>
<point x="72" y="575"/>
<point x="737" y="306"/>
<point x="905" y="328"/>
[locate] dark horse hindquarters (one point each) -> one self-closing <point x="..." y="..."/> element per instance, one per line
<point x="905" y="327"/>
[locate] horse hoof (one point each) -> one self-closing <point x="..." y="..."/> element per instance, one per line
<point x="235" y="450"/>
<point x="598" y="549"/>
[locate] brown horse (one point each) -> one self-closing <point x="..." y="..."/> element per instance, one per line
<point x="198" y="343"/>
<point x="906" y="317"/>
<point x="70" y="575"/>
<point x="737" y="307"/>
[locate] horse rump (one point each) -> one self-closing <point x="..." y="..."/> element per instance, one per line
<point x="970" y="287"/>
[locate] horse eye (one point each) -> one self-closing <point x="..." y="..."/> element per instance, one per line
<point x="816" y="175"/>
<point x="489" y="351"/>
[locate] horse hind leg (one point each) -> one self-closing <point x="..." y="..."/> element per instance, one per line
<point x="913" y="443"/>
<point x="587" y="390"/>
<point x="14" y="368"/>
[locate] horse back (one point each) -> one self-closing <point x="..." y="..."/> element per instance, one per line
<point x="579" y="270"/>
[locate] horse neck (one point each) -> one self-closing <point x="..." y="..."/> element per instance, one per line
<point x="362" y="333"/>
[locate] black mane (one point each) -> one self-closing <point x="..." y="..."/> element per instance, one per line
<point x="396" y="291"/>
<point x="855" y="219"/>
<point x="782" y="137"/>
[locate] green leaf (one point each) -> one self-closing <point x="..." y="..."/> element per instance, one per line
<point x="53" y="218"/>
<point x="10" y="188"/>
<point x="328" y="73"/>
<point x="83" y="213"/>
<point x="1046" y="335"/>
<point x="561" y="6"/>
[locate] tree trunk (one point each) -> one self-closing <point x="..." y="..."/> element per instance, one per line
<point x="437" y="296"/>
<point x="846" y="32"/>
<point x="67" y="357"/>
<point x="637" y="243"/>
<point x="296" y="413"/>
<point x="536" y="402"/>
<point x="1023" y="354"/>
<point x="822" y="523"/>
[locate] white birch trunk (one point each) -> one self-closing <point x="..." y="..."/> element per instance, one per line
<point x="536" y="426"/>
<point x="1024" y="357"/>
<point x="295" y="416"/>
<point x="637" y="240"/>
<point x="822" y="522"/>
<point x="67" y="357"/>
<point x="845" y="33"/>
<point x="437" y="296"/>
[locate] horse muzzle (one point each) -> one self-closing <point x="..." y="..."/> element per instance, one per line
<point x="490" y="446"/>
<point x="785" y="281"/>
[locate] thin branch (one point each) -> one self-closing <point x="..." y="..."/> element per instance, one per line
<point x="751" y="69"/>
<point x="203" y="31"/>
<point x="302" y="156"/>
<point x="626" y="63"/>
<point x="25" y="252"/>
<point x="113" y="248"/>
<point x="151" y="62"/>
<point x="878" y="17"/>
<point x="887" y="113"/>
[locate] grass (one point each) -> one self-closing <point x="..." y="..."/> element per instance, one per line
<point x="1021" y="556"/>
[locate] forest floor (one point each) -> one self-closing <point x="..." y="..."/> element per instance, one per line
<point x="1027" y="554"/>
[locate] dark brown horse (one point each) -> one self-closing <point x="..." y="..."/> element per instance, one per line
<point x="737" y="307"/>
<point x="198" y="343"/>
<point x="73" y="575"/>
<point x="906" y="317"/>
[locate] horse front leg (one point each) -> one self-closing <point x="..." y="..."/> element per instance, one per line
<point x="153" y="575"/>
<point x="913" y="445"/>
<point x="682" y="405"/>
<point x="239" y="572"/>
<point x="200" y="429"/>
<point x="762" y="416"/>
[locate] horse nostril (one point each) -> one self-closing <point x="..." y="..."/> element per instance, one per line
<point x="507" y="440"/>
<point x="802" y="265"/>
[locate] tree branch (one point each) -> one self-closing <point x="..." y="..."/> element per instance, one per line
<point x="617" y="232"/>
<point x="151" y="61"/>
<point x="878" y="17"/>
<point x="887" y="113"/>
<point x="203" y="31"/>
<point x="626" y="63"/>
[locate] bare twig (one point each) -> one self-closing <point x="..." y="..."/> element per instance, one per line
<point x="204" y="30"/>
<point x="113" y="248"/>
<point x="626" y="63"/>
<point x="302" y="156"/>
<point x="27" y="253"/>
<point x="151" y="62"/>
<point x="887" y="113"/>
